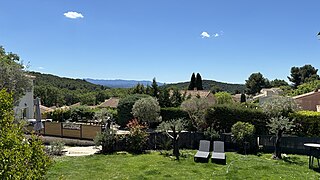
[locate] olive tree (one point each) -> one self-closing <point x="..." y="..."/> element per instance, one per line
<point x="278" y="109"/>
<point x="13" y="77"/>
<point x="196" y="108"/>
<point x="147" y="110"/>
<point x="173" y="129"/>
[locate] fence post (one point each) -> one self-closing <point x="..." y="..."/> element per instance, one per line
<point x="80" y="131"/>
<point x="61" y="126"/>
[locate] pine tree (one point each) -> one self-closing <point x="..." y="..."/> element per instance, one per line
<point x="192" y="84"/>
<point x="164" y="98"/>
<point x="199" y="82"/>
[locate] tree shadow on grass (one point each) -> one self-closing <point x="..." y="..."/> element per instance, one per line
<point x="294" y="160"/>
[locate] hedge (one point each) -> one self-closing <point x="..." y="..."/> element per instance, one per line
<point x="307" y="123"/>
<point x="173" y="113"/>
<point x="223" y="117"/>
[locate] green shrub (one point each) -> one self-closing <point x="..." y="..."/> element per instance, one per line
<point x="82" y="113"/>
<point x="243" y="134"/>
<point x="307" y="123"/>
<point x="60" y="115"/>
<point x="56" y="148"/>
<point x="222" y="117"/>
<point x="107" y="140"/>
<point x="137" y="138"/>
<point x="20" y="158"/>
<point x="125" y="108"/>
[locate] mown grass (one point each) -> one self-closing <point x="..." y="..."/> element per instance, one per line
<point x="155" y="166"/>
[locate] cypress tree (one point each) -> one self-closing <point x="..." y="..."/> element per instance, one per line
<point x="192" y="84"/>
<point x="155" y="88"/>
<point x="199" y="82"/>
<point x="243" y="98"/>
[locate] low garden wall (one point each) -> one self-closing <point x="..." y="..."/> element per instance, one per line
<point x="69" y="130"/>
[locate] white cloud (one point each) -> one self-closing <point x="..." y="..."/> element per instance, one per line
<point x="73" y="15"/>
<point x="41" y="68"/>
<point x="205" y="34"/>
<point x="216" y="35"/>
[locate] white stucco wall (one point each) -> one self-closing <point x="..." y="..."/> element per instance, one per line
<point x="26" y="103"/>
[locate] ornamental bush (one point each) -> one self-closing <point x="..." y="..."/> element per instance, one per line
<point x="137" y="138"/>
<point x="125" y="108"/>
<point x="20" y="158"/>
<point x="243" y="134"/>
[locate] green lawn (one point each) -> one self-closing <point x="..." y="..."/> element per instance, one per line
<point x="156" y="166"/>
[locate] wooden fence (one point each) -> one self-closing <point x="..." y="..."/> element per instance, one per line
<point x="69" y="130"/>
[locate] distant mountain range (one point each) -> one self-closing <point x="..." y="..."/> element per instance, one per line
<point x="207" y="84"/>
<point x="119" y="83"/>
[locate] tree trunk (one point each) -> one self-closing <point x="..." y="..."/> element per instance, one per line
<point x="175" y="145"/>
<point x="277" y="152"/>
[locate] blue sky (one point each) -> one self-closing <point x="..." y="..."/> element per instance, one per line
<point x="167" y="39"/>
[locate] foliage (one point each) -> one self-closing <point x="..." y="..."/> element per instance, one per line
<point x="243" y="98"/>
<point x="278" y="109"/>
<point x="175" y="126"/>
<point x="103" y="115"/>
<point x="199" y="82"/>
<point x="307" y="123"/>
<point x="196" y="108"/>
<point x="192" y="84"/>
<point x="243" y="134"/>
<point x="173" y="113"/>
<point x="12" y="75"/>
<point x="125" y="108"/>
<point x="278" y="83"/>
<point x="58" y="91"/>
<point x="154" y="88"/>
<point x="211" y="133"/>
<point x="56" y="148"/>
<point x="210" y="85"/>
<point x="147" y="110"/>
<point x="176" y="98"/>
<point x="223" y="98"/>
<point x="222" y="117"/>
<point x="164" y="98"/>
<point x="60" y="115"/>
<point x="81" y="113"/>
<point x="107" y="140"/>
<point x="279" y="106"/>
<point x="20" y="158"/>
<point x="137" y="138"/>
<point x="300" y="75"/>
<point x="255" y="83"/>
<point x="138" y="89"/>
<point x="305" y="88"/>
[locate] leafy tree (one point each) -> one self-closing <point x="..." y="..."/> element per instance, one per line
<point x="223" y="98"/>
<point x="199" y="82"/>
<point x="164" y="98"/>
<point x="215" y="89"/>
<point x="103" y="115"/>
<point x="300" y="75"/>
<point x="155" y="88"/>
<point x="101" y="96"/>
<point x="138" y="89"/>
<point x="12" y="75"/>
<point x="255" y="83"/>
<point x="305" y="88"/>
<point x="88" y="99"/>
<point x="196" y="108"/>
<point x="278" y="109"/>
<point x="173" y="129"/>
<point x="278" y="83"/>
<point x="20" y="158"/>
<point x="125" y="108"/>
<point x="176" y="98"/>
<point x="147" y="110"/>
<point x="192" y="84"/>
<point x="107" y="140"/>
<point x="243" y="98"/>
<point x="148" y="90"/>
